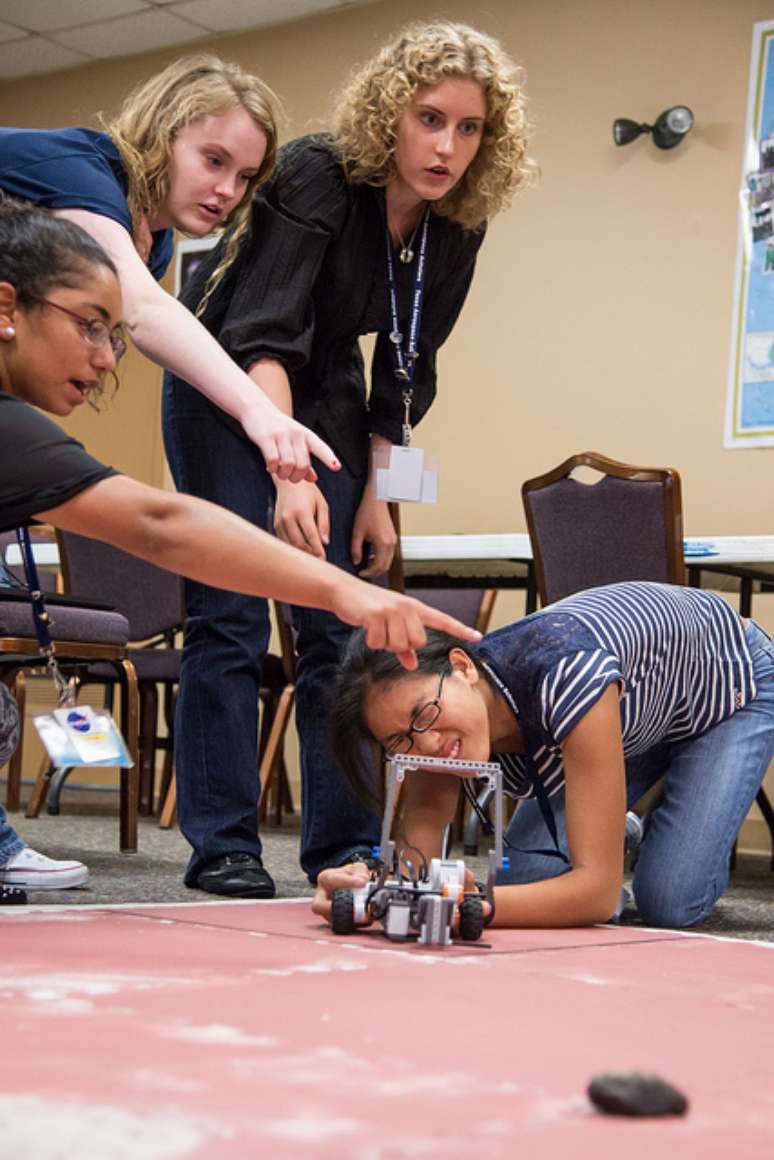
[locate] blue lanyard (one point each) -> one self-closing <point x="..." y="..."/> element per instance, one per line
<point x="538" y="788"/>
<point x="405" y="357"/>
<point x="41" y="616"/>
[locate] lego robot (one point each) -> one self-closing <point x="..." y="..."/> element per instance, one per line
<point x="422" y="903"/>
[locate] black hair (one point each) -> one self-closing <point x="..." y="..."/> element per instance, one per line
<point x="39" y="251"/>
<point x="362" y="670"/>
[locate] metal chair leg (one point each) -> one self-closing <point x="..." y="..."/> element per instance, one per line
<point x="55" y="784"/>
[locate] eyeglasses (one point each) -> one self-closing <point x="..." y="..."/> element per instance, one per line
<point x="421" y="721"/>
<point x="94" y="330"/>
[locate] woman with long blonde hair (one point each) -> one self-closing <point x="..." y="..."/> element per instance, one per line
<point x="187" y="151"/>
<point x="428" y="143"/>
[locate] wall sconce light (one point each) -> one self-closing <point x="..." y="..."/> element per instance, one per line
<point x="670" y="128"/>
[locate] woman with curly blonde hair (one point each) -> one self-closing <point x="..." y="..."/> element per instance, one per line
<point x="370" y="108"/>
<point x="428" y="142"/>
<point x="186" y="151"/>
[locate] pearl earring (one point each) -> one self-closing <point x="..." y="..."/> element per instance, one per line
<point x="10" y="331"/>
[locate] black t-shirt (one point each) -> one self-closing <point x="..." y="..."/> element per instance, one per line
<point x="312" y="278"/>
<point x="40" y="466"/>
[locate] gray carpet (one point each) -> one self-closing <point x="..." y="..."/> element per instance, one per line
<point x="87" y="829"/>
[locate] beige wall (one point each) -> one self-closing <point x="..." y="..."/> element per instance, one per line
<point x="600" y="313"/>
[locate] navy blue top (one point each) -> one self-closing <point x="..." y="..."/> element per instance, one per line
<point x="678" y="656"/>
<point x="73" y="169"/>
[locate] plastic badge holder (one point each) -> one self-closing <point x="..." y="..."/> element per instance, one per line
<point x="405" y="474"/>
<point x="80" y="735"/>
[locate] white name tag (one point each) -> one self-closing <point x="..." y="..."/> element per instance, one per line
<point x="405" y="475"/>
<point x="79" y="735"/>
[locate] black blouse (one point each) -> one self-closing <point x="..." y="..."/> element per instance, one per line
<point x="312" y="278"/>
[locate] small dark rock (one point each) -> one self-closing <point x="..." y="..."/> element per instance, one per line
<point x="632" y="1093"/>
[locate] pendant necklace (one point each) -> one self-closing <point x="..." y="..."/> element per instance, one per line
<point x="406" y="253"/>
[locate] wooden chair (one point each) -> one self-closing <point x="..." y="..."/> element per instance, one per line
<point x="473" y="606"/>
<point x="277" y="694"/>
<point x="82" y="636"/>
<point x="151" y="599"/>
<point x="627" y="525"/>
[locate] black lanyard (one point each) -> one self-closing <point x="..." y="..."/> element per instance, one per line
<point x="41" y="616"/>
<point x="406" y="356"/>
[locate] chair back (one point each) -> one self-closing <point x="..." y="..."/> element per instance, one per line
<point x="627" y="525"/>
<point x="48" y="576"/>
<point x="472" y="606"/>
<point x="150" y="598"/>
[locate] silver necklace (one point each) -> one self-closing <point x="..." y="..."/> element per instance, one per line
<point x="406" y="254"/>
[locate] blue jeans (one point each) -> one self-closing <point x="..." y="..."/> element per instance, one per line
<point x="10" y="842"/>
<point x="710" y="782"/>
<point x="227" y="635"/>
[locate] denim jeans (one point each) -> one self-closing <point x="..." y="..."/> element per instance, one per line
<point x="227" y="635"/>
<point x="710" y="782"/>
<point x="10" y="842"/>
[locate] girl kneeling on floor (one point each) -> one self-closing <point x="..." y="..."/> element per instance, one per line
<point x="586" y="704"/>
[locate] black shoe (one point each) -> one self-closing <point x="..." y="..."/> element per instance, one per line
<point x="237" y="875"/>
<point x="12" y="896"/>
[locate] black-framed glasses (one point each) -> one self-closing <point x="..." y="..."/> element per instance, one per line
<point x="422" y="719"/>
<point x="94" y="330"/>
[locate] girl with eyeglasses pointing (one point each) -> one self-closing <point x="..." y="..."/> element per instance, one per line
<point x="61" y="335"/>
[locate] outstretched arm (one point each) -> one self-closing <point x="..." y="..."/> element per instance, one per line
<point x="172" y="337"/>
<point x="209" y="544"/>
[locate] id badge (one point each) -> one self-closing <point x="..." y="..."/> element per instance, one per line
<point x="405" y="474"/>
<point x="80" y="735"/>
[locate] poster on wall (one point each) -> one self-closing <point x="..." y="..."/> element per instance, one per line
<point x="750" y="392"/>
<point x="188" y="254"/>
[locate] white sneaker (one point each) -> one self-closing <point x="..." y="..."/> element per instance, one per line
<point x="33" y="871"/>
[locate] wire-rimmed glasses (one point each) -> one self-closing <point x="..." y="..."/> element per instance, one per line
<point x="422" y="720"/>
<point x="94" y="330"/>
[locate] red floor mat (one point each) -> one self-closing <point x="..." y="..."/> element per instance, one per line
<point x="249" y="1030"/>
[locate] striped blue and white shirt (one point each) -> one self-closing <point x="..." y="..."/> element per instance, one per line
<point x="678" y="655"/>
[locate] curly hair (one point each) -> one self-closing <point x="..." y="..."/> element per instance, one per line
<point x="369" y="108"/>
<point x="152" y="116"/>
